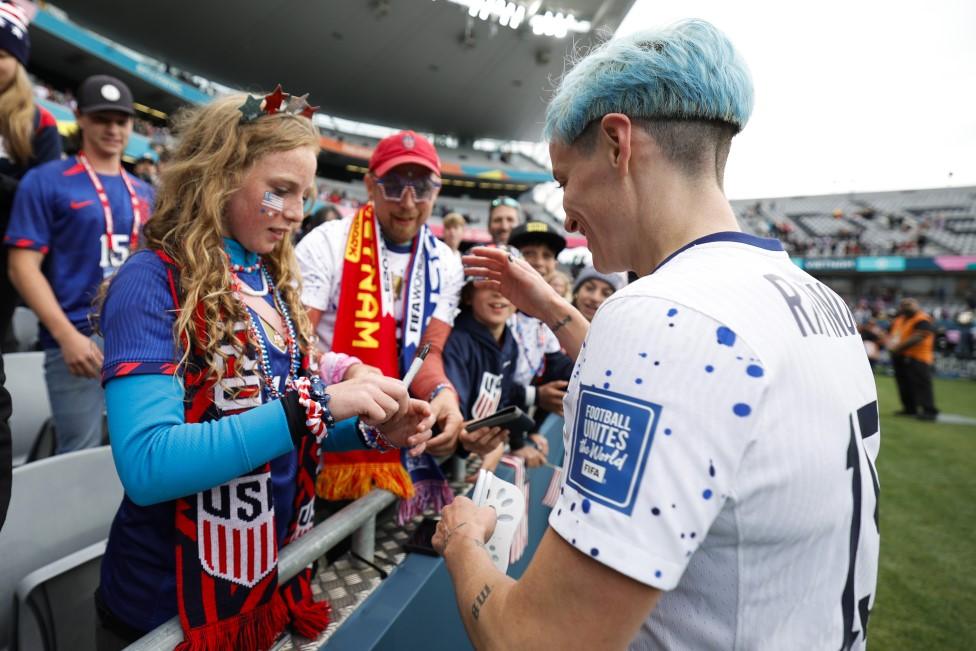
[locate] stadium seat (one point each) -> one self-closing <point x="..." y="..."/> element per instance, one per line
<point x="25" y="325"/>
<point x="58" y="507"/>
<point x="54" y="608"/>
<point x="31" y="409"/>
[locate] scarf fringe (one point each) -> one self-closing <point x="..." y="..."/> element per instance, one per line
<point x="430" y="494"/>
<point x="352" y="481"/>
<point x="310" y="618"/>
<point x="254" y="630"/>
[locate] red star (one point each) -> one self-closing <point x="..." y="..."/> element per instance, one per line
<point x="273" y="101"/>
<point x="310" y="111"/>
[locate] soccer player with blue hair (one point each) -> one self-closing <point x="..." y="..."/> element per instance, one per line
<point x="721" y="421"/>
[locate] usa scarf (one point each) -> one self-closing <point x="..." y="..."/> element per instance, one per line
<point x="226" y="544"/>
<point x="366" y="327"/>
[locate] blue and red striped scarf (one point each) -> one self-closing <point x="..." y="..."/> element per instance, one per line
<point x="226" y="551"/>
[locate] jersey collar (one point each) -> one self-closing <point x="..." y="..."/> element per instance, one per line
<point x="767" y="243"/>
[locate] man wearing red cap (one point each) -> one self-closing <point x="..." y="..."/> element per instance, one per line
<point x="379" y="286"/>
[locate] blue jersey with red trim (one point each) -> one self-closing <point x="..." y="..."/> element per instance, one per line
<point x="138" y="577"/>
<point x="57" y="212"/>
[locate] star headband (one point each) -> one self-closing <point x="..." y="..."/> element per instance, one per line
<point x="254" y="107"/>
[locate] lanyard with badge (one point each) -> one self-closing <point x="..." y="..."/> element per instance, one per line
<point x="108" y="246"/>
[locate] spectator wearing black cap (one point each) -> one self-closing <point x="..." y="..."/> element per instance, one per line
<point x="540" y="244"/>
<point x="543" y="369"/>
<point x="73" y="224"/>
<point x="28" y="133"/>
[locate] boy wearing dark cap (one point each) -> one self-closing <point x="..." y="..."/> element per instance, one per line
<point x="540" y="244"/>
<point x="543" y="369"/>
<point x="74" y="223"/>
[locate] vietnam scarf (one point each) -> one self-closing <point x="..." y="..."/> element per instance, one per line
<point x="366" y="327"/>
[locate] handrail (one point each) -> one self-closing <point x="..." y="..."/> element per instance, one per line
<point x="299" y="554"/>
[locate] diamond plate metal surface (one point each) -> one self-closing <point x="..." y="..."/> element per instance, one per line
<point x="349" y="581"/>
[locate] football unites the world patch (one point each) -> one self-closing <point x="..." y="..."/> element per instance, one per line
<point x="611" y="441"/>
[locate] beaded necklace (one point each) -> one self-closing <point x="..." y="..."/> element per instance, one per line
<point x="246" y="268"/>
<point x="292" y="342"/>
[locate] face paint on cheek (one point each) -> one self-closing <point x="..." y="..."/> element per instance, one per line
<point x="272" y="204"/>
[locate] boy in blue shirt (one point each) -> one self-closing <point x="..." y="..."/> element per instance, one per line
<point x="74" y="222"/>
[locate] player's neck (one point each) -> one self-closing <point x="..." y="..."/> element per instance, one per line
<point x="102" y="162"/>
<point x="682" y="213"/>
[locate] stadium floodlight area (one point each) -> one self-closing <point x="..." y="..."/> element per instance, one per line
<point x="512" y="14"/>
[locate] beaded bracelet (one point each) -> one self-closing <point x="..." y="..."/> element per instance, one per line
<point x="317" y="392"/>
<point x="373" y="438"/>
<point x="312" y="396"/>
<point x="313" y="410"/>
<point x="438" y="389"/>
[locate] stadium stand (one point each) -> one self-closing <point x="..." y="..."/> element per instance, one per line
<point x="938" y="221"/>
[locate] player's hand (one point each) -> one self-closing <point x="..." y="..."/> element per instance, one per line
<point x="532" y="456"/>
<point x="448" y="417"/>
<point x="411" y="429"/>
<point x="374" y="398"/>
<point x="462" y="518"/>
<point x="514" y="278"/>
<point x="550" y="396"/>
<point x="483" y="440"/>
<point x="82" y="356"/>
<point x="541" y="442"/>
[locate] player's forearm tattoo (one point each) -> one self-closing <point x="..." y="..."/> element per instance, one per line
<point x="563" y="321"/>
<point x="480" y="600"/>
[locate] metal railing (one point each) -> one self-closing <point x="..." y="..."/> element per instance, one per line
<point x="358" y="519"/>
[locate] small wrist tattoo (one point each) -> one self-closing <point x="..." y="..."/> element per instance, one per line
<point x="563" y="321"/>
<point x="480" y="600"/>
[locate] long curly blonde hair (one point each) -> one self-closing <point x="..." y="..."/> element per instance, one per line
<point x="214" y="154"/>
<point x="17" y="117"/>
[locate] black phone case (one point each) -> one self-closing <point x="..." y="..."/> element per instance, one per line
<point x="420" y="540"/>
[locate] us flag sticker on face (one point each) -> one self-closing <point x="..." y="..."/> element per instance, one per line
<point x="611" y="441"/>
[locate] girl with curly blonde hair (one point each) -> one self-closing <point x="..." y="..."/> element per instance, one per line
<point x="215" y="422"/>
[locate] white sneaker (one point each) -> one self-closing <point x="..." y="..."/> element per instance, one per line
<point x="509" y="505"/>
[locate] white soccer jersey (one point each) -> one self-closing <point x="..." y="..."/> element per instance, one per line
<point x="320" y="257"/>
<point x="722" y="431"/>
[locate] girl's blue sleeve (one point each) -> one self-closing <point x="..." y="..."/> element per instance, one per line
<point x="160" y="457"/>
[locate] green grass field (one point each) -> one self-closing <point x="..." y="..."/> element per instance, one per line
<point x="926" y="595"/>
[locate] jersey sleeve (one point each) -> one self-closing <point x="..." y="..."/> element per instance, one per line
<point x="137" y="320"/>
<point x="47" y="140"/>
<point x="660" y="412"/>
<point x="452" y="280"/>
<point x="318" y="267"/>
<point x="31" y="216"/>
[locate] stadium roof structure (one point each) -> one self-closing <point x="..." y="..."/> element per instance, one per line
<point x="420" y="64"/>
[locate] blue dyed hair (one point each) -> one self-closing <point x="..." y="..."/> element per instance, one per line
<point x="688" y="71"/>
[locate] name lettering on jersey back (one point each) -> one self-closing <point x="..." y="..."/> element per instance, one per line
<point x="611" y="441"/>
<point x="816" y="309"/>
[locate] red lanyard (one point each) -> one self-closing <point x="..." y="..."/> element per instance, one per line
<point x="107" y="208"/>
